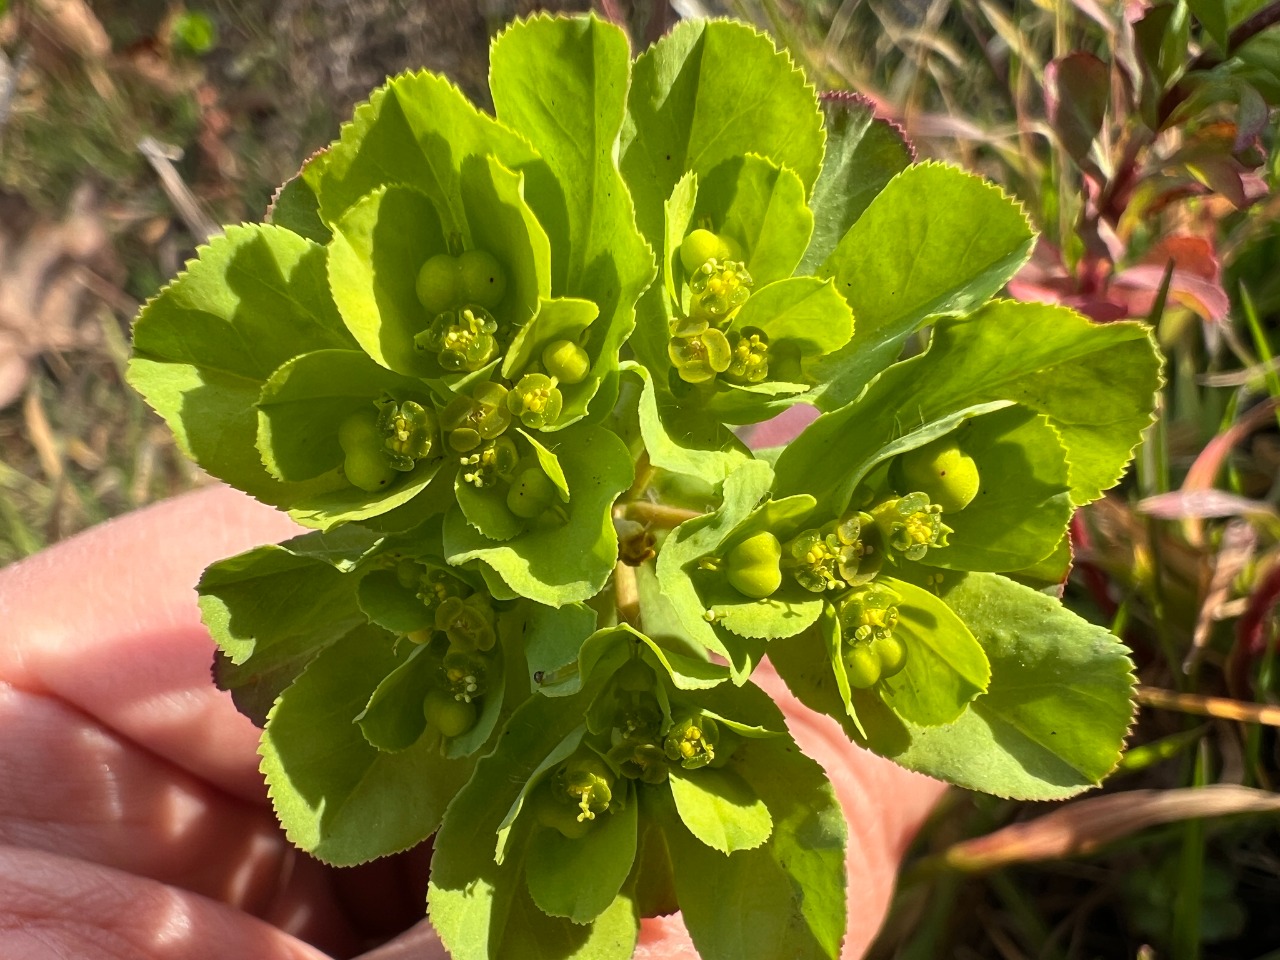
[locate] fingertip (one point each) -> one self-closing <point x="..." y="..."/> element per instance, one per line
<point x="664" y="938"/>
<point x="884" y="805"/>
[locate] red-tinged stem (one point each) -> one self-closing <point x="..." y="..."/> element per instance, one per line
<point x="1264" y="19"/>
<point x="1251" y="631"/>
<point x="1094" y="579"/>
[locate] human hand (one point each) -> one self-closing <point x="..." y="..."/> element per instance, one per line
<point x="134" y="822"/>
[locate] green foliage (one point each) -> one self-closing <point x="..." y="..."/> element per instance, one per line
<point x="336" y="794"/>
<point x="496" y="361"/>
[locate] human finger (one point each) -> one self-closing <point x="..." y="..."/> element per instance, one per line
<point x="107" y="622"/>
<point x="80" y="791"/>
<point x="55" y="906"/>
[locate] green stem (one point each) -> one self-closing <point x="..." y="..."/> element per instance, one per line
<point x="626" y="594"/>
<point x="656" y="514"/>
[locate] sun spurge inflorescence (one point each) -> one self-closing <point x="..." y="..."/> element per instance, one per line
<point x="501" y="366"/>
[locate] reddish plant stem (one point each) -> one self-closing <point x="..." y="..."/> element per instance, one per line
<point x="1094" y="579"/>
<point x="1251" y="631"/>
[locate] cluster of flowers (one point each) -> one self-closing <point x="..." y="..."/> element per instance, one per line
<point x="842" y="559"/>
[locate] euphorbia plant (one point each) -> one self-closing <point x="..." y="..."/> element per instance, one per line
<point x="493" y="361"/>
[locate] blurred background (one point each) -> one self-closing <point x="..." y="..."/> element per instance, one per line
<point x="1141" y="138"/>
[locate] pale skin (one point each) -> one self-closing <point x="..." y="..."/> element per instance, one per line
<point x="134" y="822"/>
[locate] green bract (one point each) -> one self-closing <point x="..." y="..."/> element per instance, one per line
<point x="495" y="363"/>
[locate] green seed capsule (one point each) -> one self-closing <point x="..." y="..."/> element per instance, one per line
<point x="732" y="249"/>
<point x="892" y="654"/>
<point x="862" y="666"/>
<point x="481" y="278"/>
<point x="531" y="493"/>
<point x="365" y="464"/>
<point x="439" y="283"/>
<point x="942" y="470"/>
<point x="753" y="566"/>
<point x="566" y="361"/>
<point x="368" y="470"/>
<point x="451" y="717"/>
<point x="698" y="247"/>
<point x="360" y="429"/>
